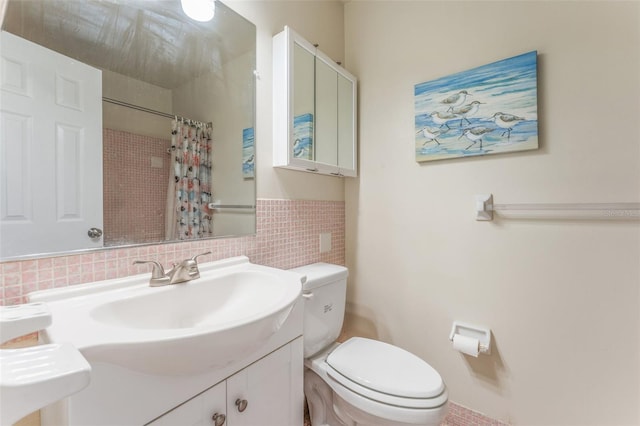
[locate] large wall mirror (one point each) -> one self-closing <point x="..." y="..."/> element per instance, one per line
<point x="124" y="122"/>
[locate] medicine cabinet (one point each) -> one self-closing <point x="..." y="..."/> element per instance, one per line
<point x="314" y="109"/>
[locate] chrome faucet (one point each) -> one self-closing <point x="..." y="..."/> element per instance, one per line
<point x="184" y="271"/>
<point x="158" y="277"/>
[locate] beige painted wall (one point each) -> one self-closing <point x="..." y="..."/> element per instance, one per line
<point x="126" y="89"/>
<point x="319" y="22"/>
<point x="562" y="297"/>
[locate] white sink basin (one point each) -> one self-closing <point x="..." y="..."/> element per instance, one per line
<point x="232" y="309"/>
<point x="220" y="302"/>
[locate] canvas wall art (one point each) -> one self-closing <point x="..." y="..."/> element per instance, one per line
<point x="248" y="153"/>
<point x="490" y="109"/>
<point x="303" y="136"/>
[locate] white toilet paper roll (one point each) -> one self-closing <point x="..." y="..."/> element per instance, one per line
<point x="466" y="345"/>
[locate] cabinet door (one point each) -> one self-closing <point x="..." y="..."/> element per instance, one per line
<point x="269" y="392"/>
<point x="326" y="114"/>
<point x="346" y="126"/>
<point x="303" y="103"/>
<point x="199" y="411"/>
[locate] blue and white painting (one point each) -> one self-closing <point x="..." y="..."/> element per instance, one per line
<point x="248" y="153"/>
<point x="303" y="136"/>
<point x="491" y="109"/>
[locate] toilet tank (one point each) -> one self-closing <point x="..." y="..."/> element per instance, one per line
<point x="324" y="293"/>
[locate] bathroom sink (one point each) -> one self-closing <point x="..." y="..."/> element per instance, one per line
<point x="232" y="309"/>
<point x="221" y="302"/>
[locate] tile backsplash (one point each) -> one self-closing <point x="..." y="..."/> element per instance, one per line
<point x="287" y="235"/>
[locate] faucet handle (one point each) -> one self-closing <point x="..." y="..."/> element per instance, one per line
<point x="195" y="258"/>
<point x="191" y="266"/>
<point x="156" y="272"/>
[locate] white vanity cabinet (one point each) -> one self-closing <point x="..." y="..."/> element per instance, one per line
<point x="267" y="393"/>
<point x="314" y="109"/>
<point x="233" y="334"/>
<point x="208" y="408"/>
<point x="272" y="389"/>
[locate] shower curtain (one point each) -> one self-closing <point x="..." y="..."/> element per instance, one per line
<point x="189" y="192"/>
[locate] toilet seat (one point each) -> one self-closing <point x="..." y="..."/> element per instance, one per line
<point x="405" y="381"/>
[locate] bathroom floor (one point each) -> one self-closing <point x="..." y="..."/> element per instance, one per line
<point x="457" y="416"/>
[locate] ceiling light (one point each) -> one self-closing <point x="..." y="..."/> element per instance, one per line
<point x="199" y="10"/>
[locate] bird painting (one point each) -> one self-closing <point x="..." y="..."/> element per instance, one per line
<point x="297" y="148"/>
<point x="455" y="100"/>
<point x="442" y="118"/>
<point x="303" y="136"/>
<point x="455" y="115"/>
<point x="466" y="111"/>
<point x="431" y="134"/>
<point x="506" y="121"/>
<point x="248" y="153"/>
<point x="475" y="135"/>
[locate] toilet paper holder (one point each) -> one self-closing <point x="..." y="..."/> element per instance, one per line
<point x="482" y="334"/>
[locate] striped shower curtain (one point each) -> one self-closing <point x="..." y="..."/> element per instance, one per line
<point x="189" y="192"/>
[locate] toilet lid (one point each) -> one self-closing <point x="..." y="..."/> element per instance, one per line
<point x="385" y="368"/>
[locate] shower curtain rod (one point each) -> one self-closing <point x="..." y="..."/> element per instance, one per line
<point x="148" y="110"/>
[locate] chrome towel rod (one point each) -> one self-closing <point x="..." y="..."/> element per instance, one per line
<point x="214" y="206"/>
<point x="601" y="211"/>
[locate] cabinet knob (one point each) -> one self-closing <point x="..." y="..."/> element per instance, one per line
<point x="241" y="404"/>
<point x="218" y="419"/>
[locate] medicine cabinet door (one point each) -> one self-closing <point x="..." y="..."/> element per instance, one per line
<point x="326" y="116"/>
<point x="346" y="126"/>
<point x="302" y="142"/>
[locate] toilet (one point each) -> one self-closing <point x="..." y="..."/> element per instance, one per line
<point x="361" y="381"/>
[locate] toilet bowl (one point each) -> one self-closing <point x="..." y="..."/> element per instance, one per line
<point x="360" y="381"/>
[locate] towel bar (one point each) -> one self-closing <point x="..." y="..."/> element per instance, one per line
<point x="601" y="211"/>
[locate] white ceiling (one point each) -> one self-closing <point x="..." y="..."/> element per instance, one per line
<point x="149" y="40"/>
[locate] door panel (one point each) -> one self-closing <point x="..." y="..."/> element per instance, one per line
<point x="346" y="141"/>
<point x="272" y="388"/>
<point x="326" y="116"/>
<point x="51" y="147"/>
<point x="197" y="411"/>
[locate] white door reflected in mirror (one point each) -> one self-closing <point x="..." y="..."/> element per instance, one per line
<point x="51" y="150"/>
